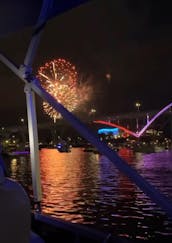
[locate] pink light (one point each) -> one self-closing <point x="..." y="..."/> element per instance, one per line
<point x="154" y="118"/>
<point x="138" y="134"/>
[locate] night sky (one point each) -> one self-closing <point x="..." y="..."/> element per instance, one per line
<point x="129" y="39"/>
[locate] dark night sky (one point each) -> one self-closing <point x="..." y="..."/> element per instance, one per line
<point x="130" y="39"/>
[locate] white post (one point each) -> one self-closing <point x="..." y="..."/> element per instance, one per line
<point x="147" y="118"/>
<point x="33" y="141"/>
<point x="26" y="70"/>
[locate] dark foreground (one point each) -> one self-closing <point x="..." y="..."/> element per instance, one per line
<point x="54" y="230"/>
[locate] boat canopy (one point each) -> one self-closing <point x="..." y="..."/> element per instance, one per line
<point x="17" y="14"/>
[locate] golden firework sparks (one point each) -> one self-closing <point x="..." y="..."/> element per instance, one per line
<point x="59" y="78"/>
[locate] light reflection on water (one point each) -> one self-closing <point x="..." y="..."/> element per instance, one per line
<point x="86" y="188"/>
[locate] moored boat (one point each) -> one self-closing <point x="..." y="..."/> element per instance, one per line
<point x="63" y="146"/>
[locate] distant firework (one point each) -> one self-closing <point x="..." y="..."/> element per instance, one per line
<point x="59" y="78"/>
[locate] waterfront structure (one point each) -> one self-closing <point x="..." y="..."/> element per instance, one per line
<point x="142" y="131"/>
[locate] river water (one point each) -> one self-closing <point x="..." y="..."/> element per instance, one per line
<point x="84" y="187"/>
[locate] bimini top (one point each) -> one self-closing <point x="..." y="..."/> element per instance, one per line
<point x="17" y="14"/>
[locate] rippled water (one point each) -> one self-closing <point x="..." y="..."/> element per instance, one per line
<point x="86" y="188"/>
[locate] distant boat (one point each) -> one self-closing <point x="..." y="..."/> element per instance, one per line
<point x="63" y="146"/>
<point x="90" y="148"/>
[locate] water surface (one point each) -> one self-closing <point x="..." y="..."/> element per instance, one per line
<point x="86" y="188"/>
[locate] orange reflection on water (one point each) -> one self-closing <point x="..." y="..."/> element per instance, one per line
<point x="62" y="176"/>
<point x="13" y="168"/>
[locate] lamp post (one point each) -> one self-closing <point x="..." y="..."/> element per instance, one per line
<point x="22" y="120"/>
<point x="23" y="142"/>
<point x="92" y="111"/>
<point x="137" y="105"/>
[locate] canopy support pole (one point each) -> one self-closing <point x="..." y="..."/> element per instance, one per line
<point x="33" y="142"/>
<point x="26" y="70"/>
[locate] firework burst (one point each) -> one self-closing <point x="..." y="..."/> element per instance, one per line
<point x="59" y="78"/>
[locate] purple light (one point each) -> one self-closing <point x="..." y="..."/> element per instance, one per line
<point x="20" y="152"/>
<point x="154" y="118"/>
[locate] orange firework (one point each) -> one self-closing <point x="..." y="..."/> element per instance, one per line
<point x="59" y="78"/>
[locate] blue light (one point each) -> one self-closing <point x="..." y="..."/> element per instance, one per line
<point x="114" y="131"/>
<point x="59" y="145"/>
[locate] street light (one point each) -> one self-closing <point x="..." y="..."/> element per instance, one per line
<point x="22" y="120"/>
<point x="23" y="136"/>
<point x="137" y="105"/>
<point x="92" y="111"/>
